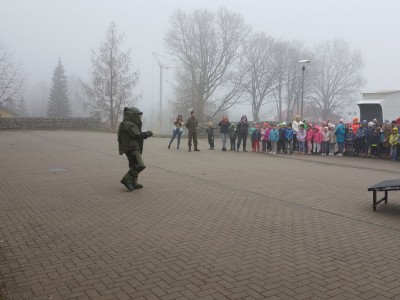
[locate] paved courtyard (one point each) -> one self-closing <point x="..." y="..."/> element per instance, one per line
<point x="207" y="225"/>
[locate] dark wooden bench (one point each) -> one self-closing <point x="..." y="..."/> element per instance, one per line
<point x="384" y="186"/>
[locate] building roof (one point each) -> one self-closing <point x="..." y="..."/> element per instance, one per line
<point x="373" y="101"/>
<point x="383" y="92"/>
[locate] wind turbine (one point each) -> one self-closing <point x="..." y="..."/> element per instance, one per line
<point x="162" y="67"/>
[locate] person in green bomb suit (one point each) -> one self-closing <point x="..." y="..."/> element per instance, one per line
<point x="130" y="142"/>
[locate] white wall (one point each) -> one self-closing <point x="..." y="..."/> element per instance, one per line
<point x="373" y="96"/>
<point x="392" y="106"/>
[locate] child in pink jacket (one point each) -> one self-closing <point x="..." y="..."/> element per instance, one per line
<point x="309" y="138"/>
<point x="317" y="140"/>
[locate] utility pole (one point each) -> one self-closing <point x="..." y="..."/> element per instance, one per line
<point x="303" y="68"/>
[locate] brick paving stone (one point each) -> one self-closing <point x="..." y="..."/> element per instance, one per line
<point x="207" y="225"/>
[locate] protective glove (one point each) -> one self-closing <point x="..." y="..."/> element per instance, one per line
<point x="149" y="133"/>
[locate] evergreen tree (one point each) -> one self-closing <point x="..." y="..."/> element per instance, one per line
<point x="58" y="105"/>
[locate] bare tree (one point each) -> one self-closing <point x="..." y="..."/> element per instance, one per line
<point x="337" y="76"/>
<point x="206" y="46"/>
<point x="259" y="66"/>
<point x="112" y="82"/>
<point x="293" y="85"/>
<point x="287" y="93"/>
<point x="281" y="78"/>
<point x="11" y="76"/>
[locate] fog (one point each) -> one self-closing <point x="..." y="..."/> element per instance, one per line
<point x="39" y="32"/>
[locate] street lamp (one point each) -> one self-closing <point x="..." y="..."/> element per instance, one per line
<point x="304" y="62"/>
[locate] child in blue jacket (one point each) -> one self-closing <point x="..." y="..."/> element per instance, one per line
<point x="289" y="138"/>
<point x="350" y="138"/>
<point x="273" y="138"/>
<point x="340" y="132"/>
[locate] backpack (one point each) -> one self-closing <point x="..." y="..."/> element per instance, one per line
<point x="233" y="133"/>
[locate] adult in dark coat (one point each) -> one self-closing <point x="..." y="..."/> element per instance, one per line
<point x="191" y="125"/>
<point x="224" y="131"/>
<point x="243" y="130"/>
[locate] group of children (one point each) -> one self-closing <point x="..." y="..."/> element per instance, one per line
<point x="351" y="139"/>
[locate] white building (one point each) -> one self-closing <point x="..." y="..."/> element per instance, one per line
<point x="381" y="105"/>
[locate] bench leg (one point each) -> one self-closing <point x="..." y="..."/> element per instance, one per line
<point x="374" y="201"/>
<point x="386" y="196"/>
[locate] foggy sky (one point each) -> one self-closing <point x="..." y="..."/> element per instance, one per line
<point x="40" y="31"/>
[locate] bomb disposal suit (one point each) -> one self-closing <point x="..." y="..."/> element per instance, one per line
<point x="130" y="141"/>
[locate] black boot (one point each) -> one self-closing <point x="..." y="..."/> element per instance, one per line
<point x="190" y="148"/>
<point x="138" y="186"/>
<point x="127" y="183"/>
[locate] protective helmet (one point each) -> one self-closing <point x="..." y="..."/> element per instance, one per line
<point x="133" y="110"/>
<point x="132" y="114"/>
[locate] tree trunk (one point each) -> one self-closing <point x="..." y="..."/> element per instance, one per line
<point x="279" y="108"/>
<point x="113" y="121"/>
<point x="255" y="112"/>
<point x="325" y="114"/>
<point x="200" y="109"/>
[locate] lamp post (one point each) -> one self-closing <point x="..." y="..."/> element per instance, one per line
<point x="303" y="68"/>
